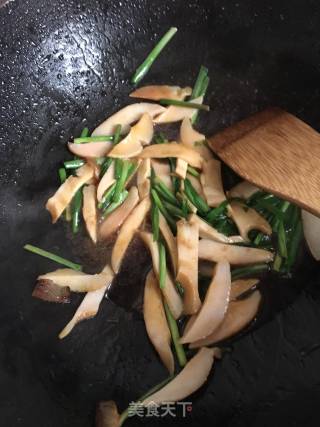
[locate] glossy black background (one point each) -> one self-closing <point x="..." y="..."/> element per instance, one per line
<point x="64" y="64"/>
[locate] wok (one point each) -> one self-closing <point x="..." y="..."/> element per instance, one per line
<point x="67" y="64"/>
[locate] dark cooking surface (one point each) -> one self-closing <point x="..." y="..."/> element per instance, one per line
<point x="66" y="64"/>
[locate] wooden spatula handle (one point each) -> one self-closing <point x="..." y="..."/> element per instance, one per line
<point x="277" y="152"/>
<point x="238" y="130"/>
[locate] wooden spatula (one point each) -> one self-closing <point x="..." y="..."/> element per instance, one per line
<point x="277" y="152"/>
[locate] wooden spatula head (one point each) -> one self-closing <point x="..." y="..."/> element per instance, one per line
<point x="277" y="152"/>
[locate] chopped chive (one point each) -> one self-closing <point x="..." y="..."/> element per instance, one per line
<point x="62" y="175"/>
<point x="278" y="227"/>
<point x="184" y="104"/>
<point x="118" y="168"/>
<point x="264" y="204"/>
<point x="174" y="179"/>
<point x="277" y="262"/>
<point x="174" y="210"/>
<point x="124" y="415"/>
<point x="283" y="208"/>
<point x="195" y="198"/>
<point x="162" y="265"/>
<point x="131" y="170"/>
<point x="186" y="205"/>
<point x="255" y="197"/>
<point x="192" y="171"/>
<point x="161" y="187"/>
<point x="239" y="200"/>
<point x="86" y="139"/>
<point x="260" y="236"/>
<point x="114" y="205"/>
<point x="164" y="195"/>
<point x="142" y="70"/>
<point x="295" y="240"/>
<point x="282" y="240"/>
<point x="216" y="212"/>
<point x="84" y="133"/>
<point x="120" y="183"/>
<point x="158" y="201"/>
<point x="76" y="210"/>
<point x="198" y="86"/>
<point x="185" y="208"/>
<point x="163" y="210"/>
<point x="205" y="85"/>
<point x="107" y="161"/>
<point x="258" y="239"/>
<point x="195" y="114"/>
<point x="105" y="166"/>
<point x="152" y="176"/>
<point x="58" y="259"/>
<point x="254" y="270"/>
<point x="265" y="242"/>
<point x="180" y="288"/>
<point x="295" y="216"/>
<point x="226" y="227"/>
<point x="107" y="196"/>
<point x="155" y="221"/>
<point x="117" y="135"/>
<point x="175" y="335"/>
<point x="261" y="196"/>
<point x="74" y="164"/>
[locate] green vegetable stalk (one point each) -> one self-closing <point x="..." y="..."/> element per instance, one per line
<point x="74" y="164"/>
<point x="192" y="171"/>
<point x="147" y="63"/>
<point x="56" y="258"/>
<point x="113" y="206"/>
<point x="121" y="180"/>
<point x="163" y="210"/>
<point x="185" y="104"/>
<point x="182" y="359"/>
<point x="241" y="272"/>
<point x="195" y="198"/>
<point x="105" y="166"/>
<point x="84" y="133"/>
<point x="107" y="197"/>
<point x="76" y="210"/>
<point x="117" y="135"/>
<point x="155" y="216"/>
<point x="200" y="88"/>
<point x="86" y="139"/>
<point x="164" y="191"/>
<point x="162" y="265"/>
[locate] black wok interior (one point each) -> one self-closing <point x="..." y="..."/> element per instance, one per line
<point x="67" y="64"/>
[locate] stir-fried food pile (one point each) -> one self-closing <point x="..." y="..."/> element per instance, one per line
<point x="207" y="245"/>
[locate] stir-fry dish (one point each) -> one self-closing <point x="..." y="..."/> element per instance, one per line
<point x="148" y="172"/>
